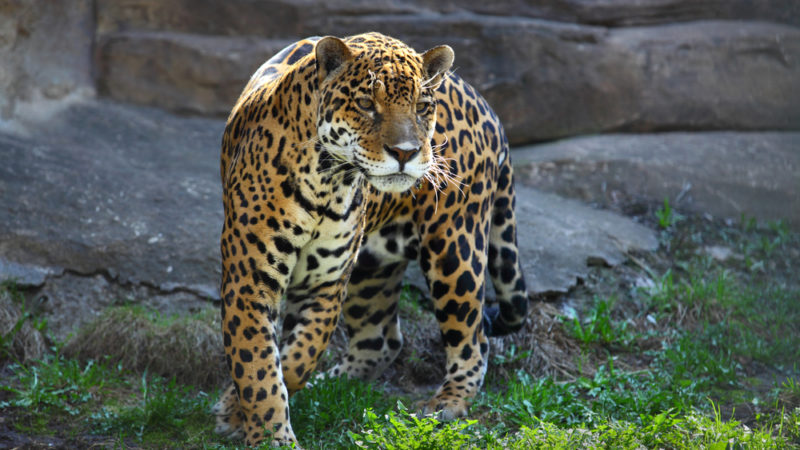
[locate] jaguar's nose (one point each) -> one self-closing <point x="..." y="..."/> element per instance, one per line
<point x="402" y="155"/>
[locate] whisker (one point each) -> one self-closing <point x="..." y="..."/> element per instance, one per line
<point x="427" y="84"/>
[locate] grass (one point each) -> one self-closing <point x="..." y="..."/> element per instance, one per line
<point x="666" y="216"/>
<point x="332" y="407"/>
<point x="162" y="412"/>
<point x="701" y="354"/>
<point x="21" y="336"/>
<point x="188" y="348"/>
<point x="598" y="327"/>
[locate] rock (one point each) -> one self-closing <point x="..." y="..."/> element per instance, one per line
<point x="551" y="69"/>
<point x="282" y="18"/>
<point x="616" y="13"/>
<point x="719" y="252"/>
<point x="72" y="300"/>
<point x="574" y="79"/>
<point x="131" y="194"/>
<point x="198" y="74"/>
<point x="725" y="174"/>
<point x="45" y="49"/>
<point x="107" y="205"/>
<point x="545" y="79"/>
<point x="25" y="275"/>
<point x="563" y="237"/>
<point x="111" y="203"/>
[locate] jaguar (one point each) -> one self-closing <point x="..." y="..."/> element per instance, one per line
<point x="342" y="161"/>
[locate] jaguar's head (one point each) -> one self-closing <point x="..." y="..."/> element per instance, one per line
<point x="377" y="109"/>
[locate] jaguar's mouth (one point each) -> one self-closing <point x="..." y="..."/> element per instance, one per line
<point x="395" y="182"/>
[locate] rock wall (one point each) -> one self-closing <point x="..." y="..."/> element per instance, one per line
<point x="551" y="68"/>
<point x="45" y="54"/>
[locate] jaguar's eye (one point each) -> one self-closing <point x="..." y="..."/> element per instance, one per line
<point x="422" y="107"/>
<point x="365" y="104"/>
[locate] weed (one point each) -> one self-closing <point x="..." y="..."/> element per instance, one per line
<point x="788" y="392"/>
<point x="510" y="356"/>
<point x="525" y="398"/>
<point x="187" y="348"/>
<point x="666" y="216"/>
<point x="662" y="293"/>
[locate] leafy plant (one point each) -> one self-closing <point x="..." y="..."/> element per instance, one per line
<point x="526" y="398"/>
<point x="402" y="430"/>
<point x="788" y="392"/>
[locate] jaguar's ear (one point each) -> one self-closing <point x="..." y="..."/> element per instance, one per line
<point x="436" y="62"/>
<point x="332" y="54"/>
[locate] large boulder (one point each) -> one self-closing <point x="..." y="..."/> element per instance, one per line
<point x="723" y="174"/>
<point x="571" y="79"/>
<point x="180" y="72"/>
<point x="103" y="204"/>
<point x="129" y="193"/>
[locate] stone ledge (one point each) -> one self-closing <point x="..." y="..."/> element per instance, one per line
<point x="724" y="174"/>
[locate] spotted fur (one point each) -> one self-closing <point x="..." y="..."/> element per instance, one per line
<point x="342" y="161"/>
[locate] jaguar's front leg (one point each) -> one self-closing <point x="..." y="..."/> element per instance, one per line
<point x="254" y="280"/>
<point x="307" y="330"/>
<point x="314" y="303"/>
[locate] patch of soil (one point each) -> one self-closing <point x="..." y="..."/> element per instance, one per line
<point x="10" y="439"/>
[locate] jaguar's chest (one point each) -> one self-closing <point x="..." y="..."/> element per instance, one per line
<point x="332" y="244"/>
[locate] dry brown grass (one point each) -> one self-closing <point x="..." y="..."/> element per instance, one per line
<point x="190" y="348"/>
<point x="186" y="348"/>
<point x="546" y="349"/>
<point x="549" y="350"/>
<point x="22" y="341"/>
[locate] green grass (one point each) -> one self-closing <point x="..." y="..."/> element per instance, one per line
<point x="326" y="411"/>
<point x="161" y="412"/>
<point x="598" y="327"/>
<point x="99" y="399"/>
<point x="55" y="384"/>
<point x="706" y="357"/>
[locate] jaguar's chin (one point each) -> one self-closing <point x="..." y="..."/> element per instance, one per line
<point x="396" y="182"/>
